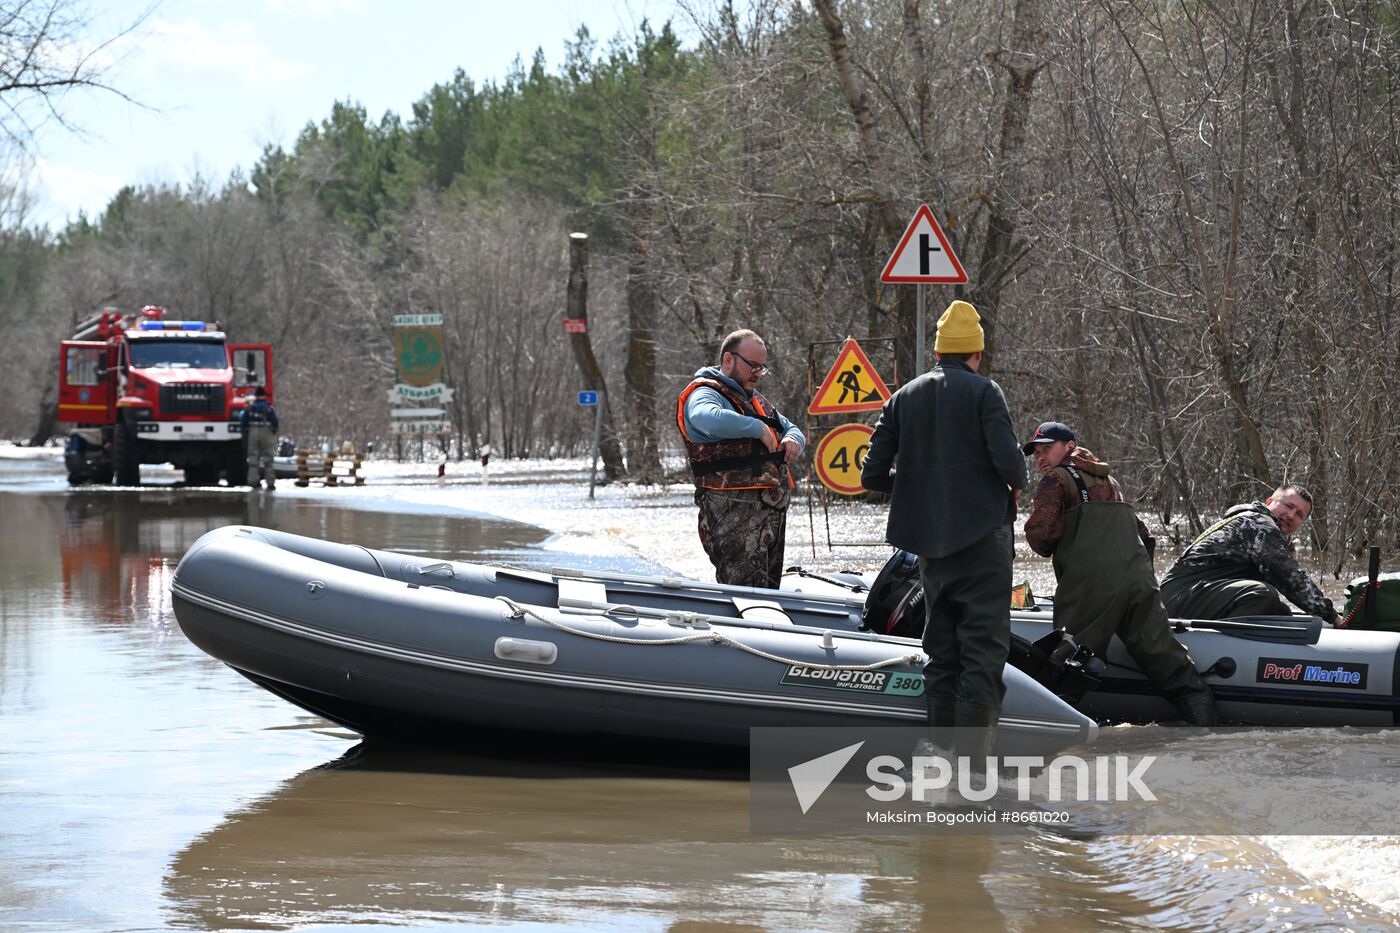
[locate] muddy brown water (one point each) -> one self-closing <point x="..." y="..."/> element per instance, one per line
<point x="143" y="785"/>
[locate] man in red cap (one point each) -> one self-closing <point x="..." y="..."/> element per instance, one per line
<point x="1102" y="555"/>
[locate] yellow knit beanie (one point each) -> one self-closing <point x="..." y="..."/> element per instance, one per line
<point x="959" y="330"/>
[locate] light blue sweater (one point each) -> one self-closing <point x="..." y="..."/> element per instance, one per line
<point x="709" y="417"/>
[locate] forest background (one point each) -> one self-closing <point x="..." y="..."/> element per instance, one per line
<point x="1179" y="219"/>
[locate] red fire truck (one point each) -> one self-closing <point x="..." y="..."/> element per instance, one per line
<point x="139" y="388"/>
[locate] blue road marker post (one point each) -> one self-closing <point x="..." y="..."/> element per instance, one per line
<point x="588" y="398"/>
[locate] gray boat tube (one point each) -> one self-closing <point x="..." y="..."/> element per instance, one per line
<point x="1263" y="670"/>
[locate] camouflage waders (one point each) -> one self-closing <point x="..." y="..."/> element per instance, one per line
<point x="744" y="534"/>
<point x="1106" y="587"/>
<point x="262" y="446"/>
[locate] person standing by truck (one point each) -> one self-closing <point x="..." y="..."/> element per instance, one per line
<point x="258" y="422"/>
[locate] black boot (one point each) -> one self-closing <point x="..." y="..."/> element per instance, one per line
<point x="940" y="739"/>
<point x="942" y="718"/>
<point x="1194" y="702"/>
<point x="977" y="736"/>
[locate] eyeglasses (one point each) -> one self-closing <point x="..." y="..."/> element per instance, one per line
<point x="758" y="368"/>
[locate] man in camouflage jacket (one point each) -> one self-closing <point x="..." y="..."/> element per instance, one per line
<point x="1242" y="565"/>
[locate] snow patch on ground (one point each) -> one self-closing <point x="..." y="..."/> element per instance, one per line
<point x="16" y="452"/>
<point x="658" y="522"/>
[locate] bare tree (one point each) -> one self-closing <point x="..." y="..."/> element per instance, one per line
<point x="43" y="55"/>
<point x="576" y="307"/>
<point x="890" y="224"/>
<point x="1182" y="223"/>
<point x="1001" y="251"/>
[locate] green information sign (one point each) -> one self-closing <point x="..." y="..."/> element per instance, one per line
<point x="418" y="352"/>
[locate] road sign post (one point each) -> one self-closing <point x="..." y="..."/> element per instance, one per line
<point x="588" y="398"/>
<point x="920" y="357"/>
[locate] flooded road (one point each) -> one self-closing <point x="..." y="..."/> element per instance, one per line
<point x="144" y="785"/>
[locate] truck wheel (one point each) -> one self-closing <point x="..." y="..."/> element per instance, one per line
<point x="126" y="456"/>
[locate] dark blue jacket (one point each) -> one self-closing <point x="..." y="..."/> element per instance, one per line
<point x="950" y="431"/>
<point x="259" y="411"/>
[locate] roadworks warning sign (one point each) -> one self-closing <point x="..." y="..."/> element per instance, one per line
<point x="852" y="384"/>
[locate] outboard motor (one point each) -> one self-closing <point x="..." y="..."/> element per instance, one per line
<point x="895" y="607"/>
<point x="1060" y="664"/>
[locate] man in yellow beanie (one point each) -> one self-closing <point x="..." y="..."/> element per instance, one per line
<point x="953" y="502"/>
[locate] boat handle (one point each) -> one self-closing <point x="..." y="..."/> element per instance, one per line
<point x="521" y="649"/>
<point x="434" y="568"/>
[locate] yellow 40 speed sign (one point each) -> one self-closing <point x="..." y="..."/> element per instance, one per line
<point x="840" y="456"/>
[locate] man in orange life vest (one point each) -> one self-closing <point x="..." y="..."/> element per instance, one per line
<point x="739" y="448"/>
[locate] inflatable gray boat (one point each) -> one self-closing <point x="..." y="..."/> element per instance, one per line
<point x="1263" y="670"/>
<point x="396" y="646"/>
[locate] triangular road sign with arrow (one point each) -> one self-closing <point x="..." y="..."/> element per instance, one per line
<point x="850" y="385"/>
<point x="923" y="254"/>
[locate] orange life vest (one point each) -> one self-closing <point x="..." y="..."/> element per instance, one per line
<point x="736" y="463"/>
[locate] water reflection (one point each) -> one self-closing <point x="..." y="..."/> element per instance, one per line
<point x="388" y="834"/>
<point x="114" y="553"/>
<point x="119" y="740"/>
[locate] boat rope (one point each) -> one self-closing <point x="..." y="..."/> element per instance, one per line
<point x="715" y="638"/>
<point x="1360" y="602"/>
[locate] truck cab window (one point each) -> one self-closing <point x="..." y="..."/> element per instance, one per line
<point x="249" y="367"/>
<point x="178" y="354"/>
<point x="84" y="366"/>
